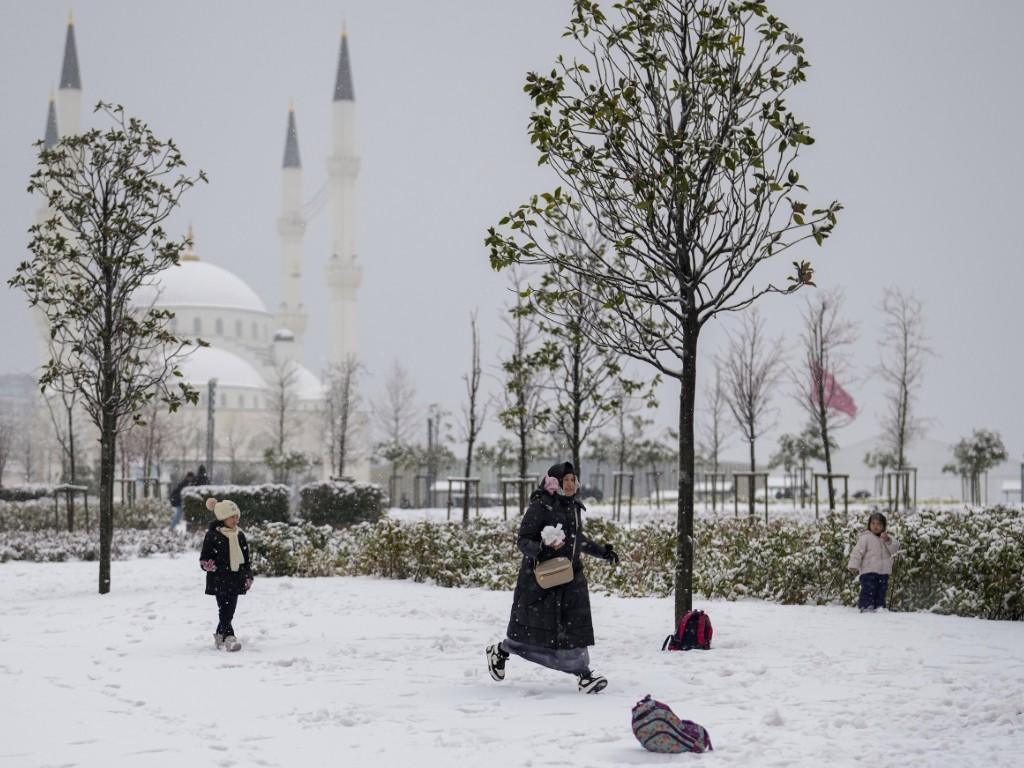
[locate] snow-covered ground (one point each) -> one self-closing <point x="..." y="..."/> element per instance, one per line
<point x="361" y="672"/>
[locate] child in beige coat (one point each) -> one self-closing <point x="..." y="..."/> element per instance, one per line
<point x="872" y="559"/>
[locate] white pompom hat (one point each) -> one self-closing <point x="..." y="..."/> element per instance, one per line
<point x="222" y="510"/>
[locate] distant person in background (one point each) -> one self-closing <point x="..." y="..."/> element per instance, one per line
<point x="175" y="498"/>
<point x="201" y="477"/>
<point x="872" y="559"/>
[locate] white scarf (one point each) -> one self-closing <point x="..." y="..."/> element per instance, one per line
<point x="234" y="548"/>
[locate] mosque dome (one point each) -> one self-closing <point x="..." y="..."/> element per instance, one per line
<point x="227" y="368"/>
<point x="199" y="284"/>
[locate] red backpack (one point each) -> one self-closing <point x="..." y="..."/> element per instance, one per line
<point x="694" y="632"/>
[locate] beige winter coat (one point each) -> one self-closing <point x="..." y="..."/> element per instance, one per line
<point x="872" y="555"/>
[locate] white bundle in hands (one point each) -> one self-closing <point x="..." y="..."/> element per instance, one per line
<point x="552" y="534"/>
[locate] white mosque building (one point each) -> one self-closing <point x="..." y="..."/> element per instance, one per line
<point x="252" y="349"/>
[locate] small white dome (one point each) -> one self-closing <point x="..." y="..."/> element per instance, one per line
<point x="227" y="368"/>
<point x="307" y="385"/>
<point x="199" y="284"/>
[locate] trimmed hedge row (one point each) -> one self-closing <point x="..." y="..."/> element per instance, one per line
<point x="267" y="503"/>
<point x="332" y="503"/>
<point x="339" y="504"/>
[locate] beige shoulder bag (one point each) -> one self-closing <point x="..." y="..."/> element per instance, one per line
<point x="558" y="570"/>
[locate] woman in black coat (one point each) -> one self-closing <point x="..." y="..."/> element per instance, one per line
<point x="225" y="558"/>
<point x="553" y="626"/>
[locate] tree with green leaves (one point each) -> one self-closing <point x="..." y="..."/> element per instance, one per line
<point x="669" y="130"/>
<point x="973" y="457"/>
<point x="110" y="191"/>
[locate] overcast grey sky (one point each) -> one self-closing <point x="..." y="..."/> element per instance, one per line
<point x="916" y="108"/>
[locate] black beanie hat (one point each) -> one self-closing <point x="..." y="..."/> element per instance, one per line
<point x="558" y="471"/>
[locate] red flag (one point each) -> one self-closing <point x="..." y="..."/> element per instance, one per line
<point x="836" y="398"/>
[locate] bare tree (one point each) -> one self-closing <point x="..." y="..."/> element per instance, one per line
<point x="670" y="128"/>
<point x="904" y="350"/>
<point x="715" y="430"/>
<point x="753" y="367"/>
<point x="395" y="415"/>
<point x="826" y="340"/>
<point x="474" y="415"/>
<point x="522" y="409"/>
<point x="8" y="430"/>
<point x="237" y="441"/>
<point x="284" y="424"/>
<point x="584" y="379"/>
<point x="343" y="403"/>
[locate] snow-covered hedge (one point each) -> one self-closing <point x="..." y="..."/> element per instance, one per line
<point x="25" y="492"/>
<point x="59" y="546"/>
<point x="961" y="562"/>
<point x="38" y="515"/>
<point x="341" y="503"/>
<point x="266" y="503"/>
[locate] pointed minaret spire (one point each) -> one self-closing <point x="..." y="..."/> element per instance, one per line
<point x="50" y="139"/>
<point x="343" y="82"/>
<point x="291" y="142"/>
<point x="69" y="77"/>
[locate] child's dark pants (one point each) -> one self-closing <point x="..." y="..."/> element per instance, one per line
<point x="873" y="587"/>
<point x="226" y="612"/>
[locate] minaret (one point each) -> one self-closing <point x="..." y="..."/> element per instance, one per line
<point x="291" y="226"/>
<point x="69" y="97"/>
<point x="344" y="275"/>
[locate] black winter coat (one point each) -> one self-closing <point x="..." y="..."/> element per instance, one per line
<point x="175" y="496"/>
<point x="224" y="581"/>
<point x="558" y="617"/>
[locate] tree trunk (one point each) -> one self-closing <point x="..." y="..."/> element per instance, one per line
<point x="751" y="484"/>
<point x="828" y="464"/>
<point x="522" y="468"/>
<point x="342" y="432"/>
<point x="684" y="517"/>
<point x="71" y="464"/>
<point x="108" y="464"/>
<point x="465" y="483"/>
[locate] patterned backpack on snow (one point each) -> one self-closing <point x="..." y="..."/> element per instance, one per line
<point x="658" y="729"/>
<point x="694" y="632"/>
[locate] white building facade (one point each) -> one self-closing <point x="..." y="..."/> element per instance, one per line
<point x="254" y="355"/>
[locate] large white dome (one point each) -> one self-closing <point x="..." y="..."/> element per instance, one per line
<point x="227" y="368"/>
<point x="199" y="284"/>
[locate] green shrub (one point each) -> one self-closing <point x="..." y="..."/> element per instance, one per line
<point x="267" y="503"/>
<point x="341" y="503"/>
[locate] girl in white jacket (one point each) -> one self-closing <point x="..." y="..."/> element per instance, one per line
<point x="872" y="559"/>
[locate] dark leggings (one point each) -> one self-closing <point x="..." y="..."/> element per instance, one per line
<point x="873" y="587"/>
<point x="226" y="612"/>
